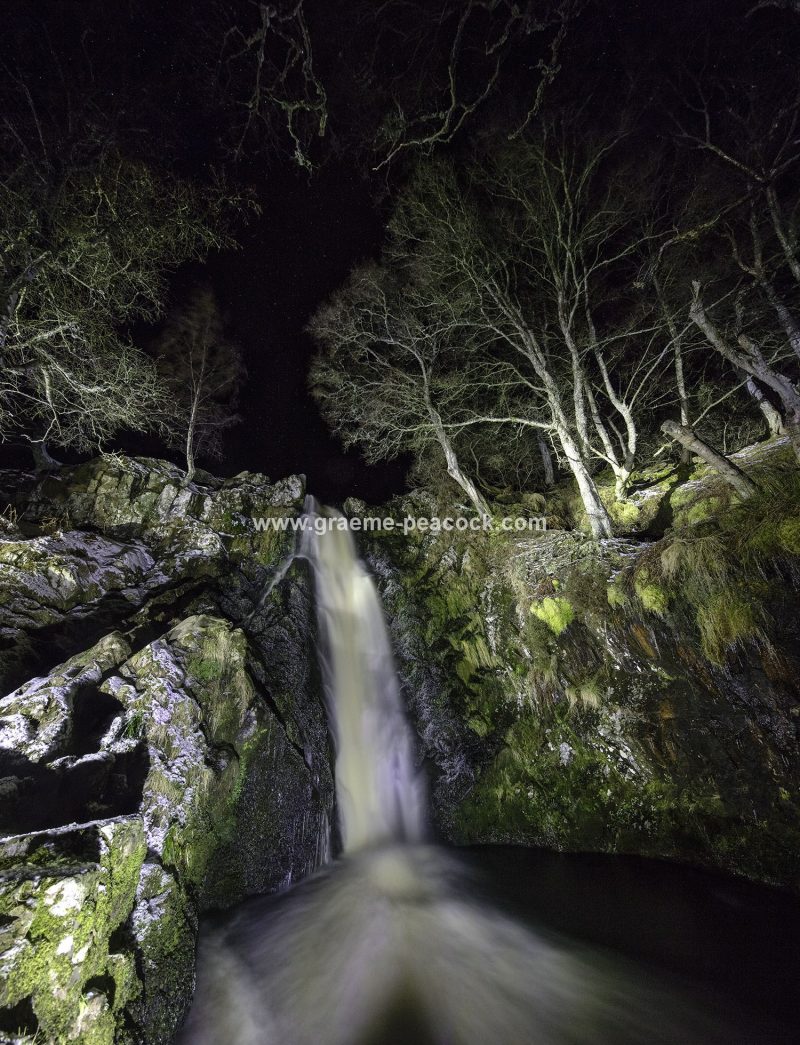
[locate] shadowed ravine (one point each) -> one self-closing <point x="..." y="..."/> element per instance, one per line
<point x="392" y="942"/>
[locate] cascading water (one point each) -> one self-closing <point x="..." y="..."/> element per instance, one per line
<point x="380" y="796"/>
<point x="388" y="944"/>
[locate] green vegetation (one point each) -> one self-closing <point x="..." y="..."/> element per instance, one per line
<point x="557" y="613"/>
<point x="68" y="920"/>
<point x="723" y="563"/>
<point x="589" y="721"/>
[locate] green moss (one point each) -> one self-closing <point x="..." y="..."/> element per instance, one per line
<point x="588" y="735"/>
<point x="616" y="595"/>
<point x="652" y="596"/>
<point x="625" y="513"/>
<point x="556" y="612"/>
<point x="204" y="669"/>
<point x="166" y="945"/>
<point x="478" y="726"/>
<point x="788" y="532"/>
<point x="62" y="923"/>
<point x="703" y="509"/>
<point x="726" y="620"/>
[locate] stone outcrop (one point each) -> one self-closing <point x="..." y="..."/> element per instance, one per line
<point x="641" y="695"/>
<point x="163" y="750"/>
<point x="163" y="743"/>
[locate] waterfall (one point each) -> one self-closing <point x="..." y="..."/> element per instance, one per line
<point x="390" y="943"/>
<point x="380" y="795"/>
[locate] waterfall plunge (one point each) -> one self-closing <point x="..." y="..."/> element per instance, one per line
<point x="388" y="945"/>
<point x="380" y="795"/>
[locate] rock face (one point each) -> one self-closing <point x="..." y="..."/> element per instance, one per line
<point x="163" y="746"/>
<point x="640" y="696"/>
<point x="163" y="743"/>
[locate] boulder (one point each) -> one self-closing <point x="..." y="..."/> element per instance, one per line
<point x="175" y="761"/>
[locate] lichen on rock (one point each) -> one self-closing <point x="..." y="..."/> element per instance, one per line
<point x="172" y="761"/>
<point x="63" y="894"/>
<point x="667" y="668"/>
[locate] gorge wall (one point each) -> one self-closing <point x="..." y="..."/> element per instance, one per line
<point x="638" y="696"/>
<point x="163" y="746"/>
<point x="163" y="743"/>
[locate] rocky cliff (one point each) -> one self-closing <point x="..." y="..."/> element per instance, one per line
<point x="163" y="746"/>
<point x="637" y="695"/>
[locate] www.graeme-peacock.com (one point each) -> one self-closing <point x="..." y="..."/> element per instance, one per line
<point x="407" y="524"/>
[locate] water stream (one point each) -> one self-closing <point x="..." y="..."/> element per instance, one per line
<point x="379" y="793"/>
<point x="392" y="944"/>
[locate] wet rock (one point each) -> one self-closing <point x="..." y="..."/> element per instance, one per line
<point x="176" y="759"/>
<point x="224" y="805"/>
<point x="629" y="696"/>
<point x="63" y="895"/>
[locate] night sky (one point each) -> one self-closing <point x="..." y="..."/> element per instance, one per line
<point x="315" y="226"/>
<point x="311" y="233"/>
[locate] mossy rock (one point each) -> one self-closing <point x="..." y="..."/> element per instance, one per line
<point x="653" y="597"/>
<point x="59" y="918"/>
<point x="556" y="612"/>
<point x="663" y="671"/>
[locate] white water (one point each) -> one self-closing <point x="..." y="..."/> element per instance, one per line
<point x="380" y="795"/>
<point x="388" y="946"/>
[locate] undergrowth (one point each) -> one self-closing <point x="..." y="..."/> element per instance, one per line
<point x="724" y="568"/>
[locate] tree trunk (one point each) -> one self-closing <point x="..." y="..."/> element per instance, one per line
<point x="190" y="434"/>
<point x="786" y="317"/>
<point x="599" y="519"/>
<point x="467" y="485"/>
<point x="42" y="460"/>
<point x="622" y="472"/>
<point x="781" y="385"/>
<point x="771" y="415"/>
<point x="677" y="357"/>
<point x="622" y="482"/>
<point x="785" y="240"/>
<point x="740" y="482"/>
<point x="547" y="462"/>
<point x="625" y="470"/>
<point x="749" y="358"/>
<point x="455" y="471"/>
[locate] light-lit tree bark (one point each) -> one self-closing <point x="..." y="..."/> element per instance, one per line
<point x="203" y="370"/>
<point x="747" y="356"/>
<point x="734" y="476"/>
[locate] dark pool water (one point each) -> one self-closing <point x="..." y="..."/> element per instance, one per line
<point x="417" y="945"/>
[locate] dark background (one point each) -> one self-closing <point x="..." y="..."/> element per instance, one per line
<point x="313" y="230"/>
<point x="314" y="227"/>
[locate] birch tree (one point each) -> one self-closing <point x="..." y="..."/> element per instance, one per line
<point x="380" y="378"/>
<point x="467" y="260"/>
<point x="203" y="370"/>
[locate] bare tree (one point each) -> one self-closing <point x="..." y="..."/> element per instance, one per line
<point x="203" y="371"/>
<point x="752" y="154"/>
<point x="753" y="359"/>
<point x="459" y="260"/>
<point x="264" y="57"/>
<point x="463" y="48"/>
<point x="454" y="54"/>
<point x="733" y="475"/>
<point x="572" y="203"/>
<point x="379" y="378"/>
